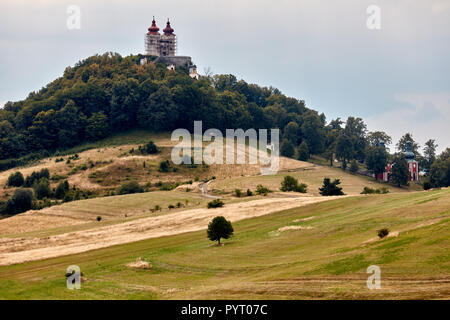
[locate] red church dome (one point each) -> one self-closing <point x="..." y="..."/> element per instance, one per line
<point x="153" y="29"/>
<point x="168" y="31"/>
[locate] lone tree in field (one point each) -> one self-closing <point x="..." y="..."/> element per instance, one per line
<point x="219" y="228"/>
<point x="383" y="233"/>
<point x="331" y="188"/>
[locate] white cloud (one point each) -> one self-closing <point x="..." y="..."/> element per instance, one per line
<point x="426" y="116"/>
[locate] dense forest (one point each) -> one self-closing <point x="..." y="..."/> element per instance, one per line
<point x="106" y="94"/>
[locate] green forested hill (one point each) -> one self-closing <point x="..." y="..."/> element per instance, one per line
<point x="106" y="94"/>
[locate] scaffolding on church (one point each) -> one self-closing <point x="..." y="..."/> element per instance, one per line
<point x="164" y="45"/>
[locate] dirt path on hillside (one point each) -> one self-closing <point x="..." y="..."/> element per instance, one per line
<point x="19" y="250"/>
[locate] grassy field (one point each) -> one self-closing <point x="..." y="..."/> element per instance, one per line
<point x="313" y="176"/>
<point x="323" y="253"/>
<point x="82" y="215"/>
<point x="105" y="165"/>
<point x="328" y="260"/>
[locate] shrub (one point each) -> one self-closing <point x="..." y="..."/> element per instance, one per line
<point x="42" y="188"/>
<point x="289" y="183"/>
<point x="260" y="189"/>
<point x="168" y="186"/>
<point x="16" y="179"/>
<point x="21" y="201"/>
<point x="61" y="190"/>
<point x="156" y="208"/>
<point x="74" y="157"/>
<point x="368" y="190"/>
<point x="426" y="185"/>
<point x="57" y="177"/>
<point x="238" y="193"/>
<point x="130" y="187"/>
<point x="164" y="166"/>
<point x="216" y="203"/>
<point x="158" y="184"/>
<point x="218" y="228"/>
<point x="35" y="177"/>
<point x="150" y="148"/>
<point x="68" y="197"/>
<point x="41" y="204"/>
<point x="384" y="190"/>
<point x="383" y="233"/>
<point x="249" y="193"/>
<point x="331" y="188"/>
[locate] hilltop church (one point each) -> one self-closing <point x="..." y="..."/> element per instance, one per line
<point x="162" y="48"/>
<point x="413" y="166"/>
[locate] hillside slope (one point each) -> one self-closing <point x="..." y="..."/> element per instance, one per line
<point x="103" y="166"/>
<point x="324" y="257"/>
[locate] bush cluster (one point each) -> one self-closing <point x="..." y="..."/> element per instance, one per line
<point x="216" y="203"/>
<point x="382" y="190"/>
<point x="289" y="183"/>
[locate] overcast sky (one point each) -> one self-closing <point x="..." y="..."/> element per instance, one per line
<point x="397" y="78"/>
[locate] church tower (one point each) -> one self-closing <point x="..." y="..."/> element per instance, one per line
<point x="162" y="48"/>
<point x="413" y="165"/>
<point x="158" y="45"/>
<point x="152" y="40"/>
<point x="168" y="42"/>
